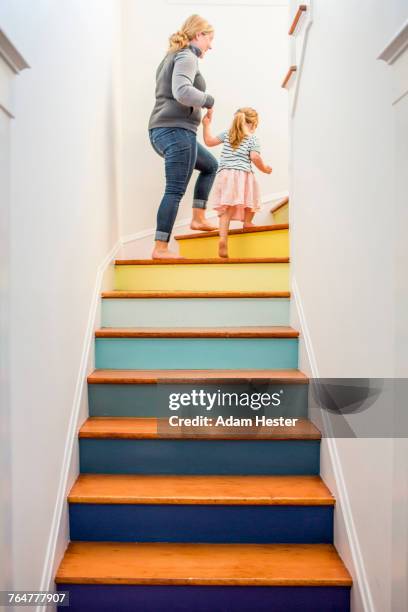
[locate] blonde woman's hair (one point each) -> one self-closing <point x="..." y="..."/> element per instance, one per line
<point x="191" y="27"/>
<point x="243" y="117"/>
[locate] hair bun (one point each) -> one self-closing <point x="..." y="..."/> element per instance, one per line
<point x="190" y="28"/>
<point x="179" y="37"/>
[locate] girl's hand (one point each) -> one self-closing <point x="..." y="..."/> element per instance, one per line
<point x="208" y="116"/>
<point x="268" y="170"/>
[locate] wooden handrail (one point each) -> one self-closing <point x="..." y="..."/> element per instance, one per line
<point x="302" y="8"/>
<point x="280" y="205"/>
<point x="291" y="71"/>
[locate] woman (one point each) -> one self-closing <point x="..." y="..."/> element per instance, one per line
<point x="180" y="95"/>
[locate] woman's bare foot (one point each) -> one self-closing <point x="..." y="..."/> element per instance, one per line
<point x="165" y="254"/>
<point x="199" y="222"/>
<point x="204" y="226"/>
<point x="223" y="248"/>
<point x="248" y="224"/>
<point x="161" y="251"/>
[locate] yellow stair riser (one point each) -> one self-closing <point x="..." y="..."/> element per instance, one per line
<point x="203" y="277"/>
<point x="259" y="244"/>
<point x="281" y="215"/>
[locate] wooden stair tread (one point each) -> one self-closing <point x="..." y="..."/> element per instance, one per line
<point x="198" y="332"/>
<point x="202" y="564"/>
<point x="205" y="260"/>
<point x="194" y="294"/>
<point x="180" y="489"/>
<point x="136" y="428"/>
<point x="279" y="205"/>
<point x="123" y="377"/>
<point x="233" y="232"/>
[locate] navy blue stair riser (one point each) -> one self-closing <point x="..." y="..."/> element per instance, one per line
<point x="195" y="456"/>
<point x="201" y="523"/>
<point x="198" y="353"/>
<point x="141" y="400"/>
<point x="131" y="598"/>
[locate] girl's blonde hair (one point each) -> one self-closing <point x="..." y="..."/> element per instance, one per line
<point x="191" y="27"/>
<point x="238" y="131"/>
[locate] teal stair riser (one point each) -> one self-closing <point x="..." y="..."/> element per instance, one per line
<point x="196" y="353"/>
<point x="195" y="456"/>
<point x="192" y="312"/>
<point x="153" y="400"/>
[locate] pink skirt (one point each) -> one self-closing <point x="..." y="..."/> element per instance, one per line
<point x="235" y="188"/>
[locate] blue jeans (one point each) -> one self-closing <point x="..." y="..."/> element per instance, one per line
<point x="182" y="154"/>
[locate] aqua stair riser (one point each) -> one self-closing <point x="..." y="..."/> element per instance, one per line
<point x="201" y="523"/>
<point x="191" y="312"/>
<point x="106" y="598"/>
<point x="152" y="400"/>
<point x="203" y="277"/>
<point x="197" y="456"/>
<point x="196" y="353"/>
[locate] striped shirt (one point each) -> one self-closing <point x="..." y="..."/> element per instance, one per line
<point x="237" y="159"/>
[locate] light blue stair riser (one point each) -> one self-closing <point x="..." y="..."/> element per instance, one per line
<point x="153" y="400"/>
<point x="195" y="456"/>
<point x="194" y="312"/>
<point x="241" y="524"/>
<point x="196" y="353"/>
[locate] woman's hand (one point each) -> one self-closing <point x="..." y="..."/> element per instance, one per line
<point x="209" y="139"/>
<point x="208" y="117"/>
<point x="268" y="169"/>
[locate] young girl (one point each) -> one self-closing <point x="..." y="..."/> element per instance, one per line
<point x="235" y="192"/>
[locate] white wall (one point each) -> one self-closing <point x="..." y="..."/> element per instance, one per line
<point x="64" y="220"/>
<point x="399" y="9"/>
<point x="5" y="443"/>
<point x="245" y="67"/>
<point x="399" y="71"/>
<point x="343" y="238"/>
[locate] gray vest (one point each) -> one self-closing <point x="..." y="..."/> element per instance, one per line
<point x="180" y="91"/>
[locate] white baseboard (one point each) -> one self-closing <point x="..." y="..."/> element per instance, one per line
<point x="271" y="198"/>
<point x="343" y="505"/>
<point x="57" y="530"/>
<point x="397" y="45"/>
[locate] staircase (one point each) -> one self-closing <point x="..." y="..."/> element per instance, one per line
<point x="195" y="518"/>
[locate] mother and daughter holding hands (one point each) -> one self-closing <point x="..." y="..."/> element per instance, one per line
<point x="180" y="96"/>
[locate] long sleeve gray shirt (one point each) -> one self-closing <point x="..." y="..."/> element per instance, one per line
<point x="180" y="91"/>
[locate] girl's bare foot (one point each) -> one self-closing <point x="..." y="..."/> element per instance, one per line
<point x="248" y="216"/>
<point x="223" y="248"/>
